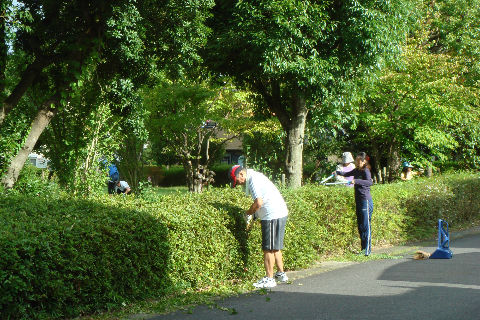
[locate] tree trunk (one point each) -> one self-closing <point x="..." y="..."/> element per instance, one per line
<point x="377" y="167"/>
<point x="393" y="163"/>
<point x="186" y="159"/>
<point x="295" y="130"/>
<point x="38" y="125"/>
<point x="188" y="168"/>
<point x="17" y="93"/>
<point x="293" y="118"/>
<point x="3" y="52"/>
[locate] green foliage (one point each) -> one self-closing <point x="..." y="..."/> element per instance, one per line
<point x="82" y="133"/>
<point x="178" y="114"/>
<point x="178" y="110"/>
<point x="293" y="54"/>
<point x="221" y="174"/>
<point x="454" y="25"/>
<point x="33" y="181"/>
<point x="303" y="44"/>
<point x="53" y="44"/>
<point x="427" y="103"/>
<point x="264" y="148"/>
<point x="451" y="166"/>
<point x="13" y="133"/>
<point x="133" y="135"/>
<point x="69" y="256"/>
<point x="175" y="175"/>
<point x="418" y="107"/>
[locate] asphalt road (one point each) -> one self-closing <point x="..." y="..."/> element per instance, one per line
<point x="379" y="289"/>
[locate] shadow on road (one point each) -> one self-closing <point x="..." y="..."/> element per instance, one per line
<point x="376" y="290"/>
<point x="418" y="303"/>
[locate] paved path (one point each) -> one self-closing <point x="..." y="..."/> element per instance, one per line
<point x="402" y="288"/>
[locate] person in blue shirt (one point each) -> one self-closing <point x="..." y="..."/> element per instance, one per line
<point x="362" y="180"/>
<point x="113" y="175"/>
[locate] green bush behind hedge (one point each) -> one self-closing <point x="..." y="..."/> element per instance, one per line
<point x="60" y="257"/>
<point x="175" y="175"/>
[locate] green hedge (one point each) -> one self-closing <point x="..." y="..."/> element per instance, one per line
<point x="61" y="257"/>
<point x="175" y="175"/>
<point x="221" y="174"/>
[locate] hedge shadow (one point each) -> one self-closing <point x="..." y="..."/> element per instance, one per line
<point x="237" y="227"/>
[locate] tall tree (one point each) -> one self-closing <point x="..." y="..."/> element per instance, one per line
<point x="291" y="53"/>
<point x="412" y="111"/>
<point x="427" y="104"/>
<point x="80" y="134"/>
<point x="65" y="38"/>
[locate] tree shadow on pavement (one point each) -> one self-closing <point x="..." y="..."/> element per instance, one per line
<point x="376" y="290"/>
<point x="427" y="302"/>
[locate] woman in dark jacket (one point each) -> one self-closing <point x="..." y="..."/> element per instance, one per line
<point x="362" y="180"/>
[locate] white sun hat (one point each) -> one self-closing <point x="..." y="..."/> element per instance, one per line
<point x="347" y="157"/>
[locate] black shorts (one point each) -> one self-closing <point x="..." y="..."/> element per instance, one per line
<point x="273" y="232"/>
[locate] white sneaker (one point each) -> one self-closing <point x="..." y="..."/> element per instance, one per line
<point x="281" y="277"/>
<point x="265" y="282"/>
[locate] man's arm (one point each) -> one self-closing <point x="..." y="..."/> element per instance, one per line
<point x="257" y="204"/>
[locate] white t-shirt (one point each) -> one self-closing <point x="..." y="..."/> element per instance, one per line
<point x="259" y="186"/>
<point x="123" y="186"/>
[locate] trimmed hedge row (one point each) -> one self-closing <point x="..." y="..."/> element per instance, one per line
<point x="64" y="257"/>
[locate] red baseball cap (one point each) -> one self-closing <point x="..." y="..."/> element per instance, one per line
<point x="232" y="174"/>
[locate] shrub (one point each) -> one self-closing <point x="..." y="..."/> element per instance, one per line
<point x="451" y="166"/>
<point x="154" y="172"/>
<point x="34" y="181"/>
<point x="221" y="174"/>
<point x="174" y="176"/>
<point x="64" y="257"/>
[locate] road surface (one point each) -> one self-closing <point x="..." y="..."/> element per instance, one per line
<point x="391" y="289"/>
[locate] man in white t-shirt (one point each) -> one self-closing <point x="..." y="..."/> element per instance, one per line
<point x="268" y="206"/>
<point x="122" y="187"/>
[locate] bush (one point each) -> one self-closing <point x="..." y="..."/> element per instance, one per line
<point x="221" y="174"/>
<point x="67" y="257"/>
<point x="451" y="166"/>
<point x="154" y="172"/>
<point x="175" y="175"/>
<point x="34" y="181"/>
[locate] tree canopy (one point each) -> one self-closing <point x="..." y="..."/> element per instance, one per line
<point x="185" y="117"/>
<point x="56" y="43"/>
<point x="398" y="79"/>
<point x="426" y="105"/>
<point x="292" y="53"/>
